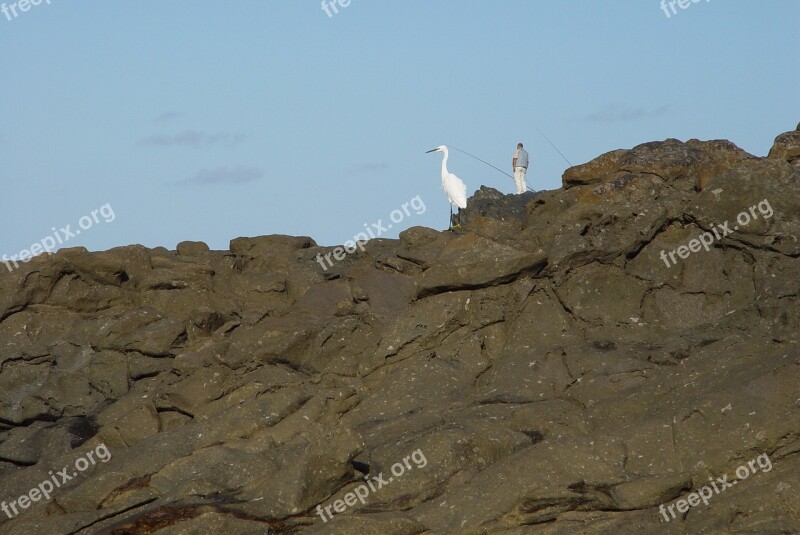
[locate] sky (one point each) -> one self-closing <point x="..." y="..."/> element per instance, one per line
<point x="201" y="120"/>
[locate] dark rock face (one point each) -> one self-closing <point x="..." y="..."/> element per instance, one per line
<point x="553" y="371"/>
<point x="490" y="203"/>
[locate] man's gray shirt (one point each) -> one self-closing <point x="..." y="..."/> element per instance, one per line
<point x="522" y="158"/>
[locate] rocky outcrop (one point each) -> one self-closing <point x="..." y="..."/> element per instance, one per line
<point x="547" y="368"/>
<point x="671" y="160"/>
<point x="787" y="147"/>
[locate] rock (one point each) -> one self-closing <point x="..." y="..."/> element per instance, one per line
<point x="471" y="261"/>
<point x="594" y="171"/>
<point x="671" y="160"/>
<point x="787" y="147"/>
<point x="422" y="245"/>
<point x="717" y="157"/>
<point x="560" y="362"/>
<point x="270" y="245"/>
<point x="490" y="203"/>
<point x="192" y="248"/>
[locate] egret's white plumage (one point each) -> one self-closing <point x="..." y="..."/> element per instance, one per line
<point x="453" y="186"/>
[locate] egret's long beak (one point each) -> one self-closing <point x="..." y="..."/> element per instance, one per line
<point x="432" y="150"/>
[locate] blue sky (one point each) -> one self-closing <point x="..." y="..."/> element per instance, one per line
<point x="200" y="120"/>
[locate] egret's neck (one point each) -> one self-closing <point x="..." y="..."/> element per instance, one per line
<point x="444" y="162"/>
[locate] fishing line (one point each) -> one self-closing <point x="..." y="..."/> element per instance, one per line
<point x="482" y="161"/>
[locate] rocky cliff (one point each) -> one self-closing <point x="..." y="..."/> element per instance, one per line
<point x="585" y="360"/>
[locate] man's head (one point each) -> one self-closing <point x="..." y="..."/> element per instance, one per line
<point x="519" y="145"/>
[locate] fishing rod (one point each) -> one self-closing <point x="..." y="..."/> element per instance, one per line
<point x="490" y="165"/>
<point x="552" y="145"/>
<point x="508" y="175"/>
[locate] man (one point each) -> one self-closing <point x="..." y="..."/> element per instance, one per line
<point x="520" y="164"/>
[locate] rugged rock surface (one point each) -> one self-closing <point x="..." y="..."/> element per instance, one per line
<point x="555" y="373"/>
<point x="787" y="147"/>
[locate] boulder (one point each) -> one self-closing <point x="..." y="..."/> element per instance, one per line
<point x="192" y="248"/>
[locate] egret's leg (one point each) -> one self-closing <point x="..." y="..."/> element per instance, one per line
<point x="451" y="216"/>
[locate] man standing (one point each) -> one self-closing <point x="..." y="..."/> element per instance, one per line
<point x="520" y="168"/>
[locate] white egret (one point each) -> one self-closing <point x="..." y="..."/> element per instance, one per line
<point x="453" y="186"/>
